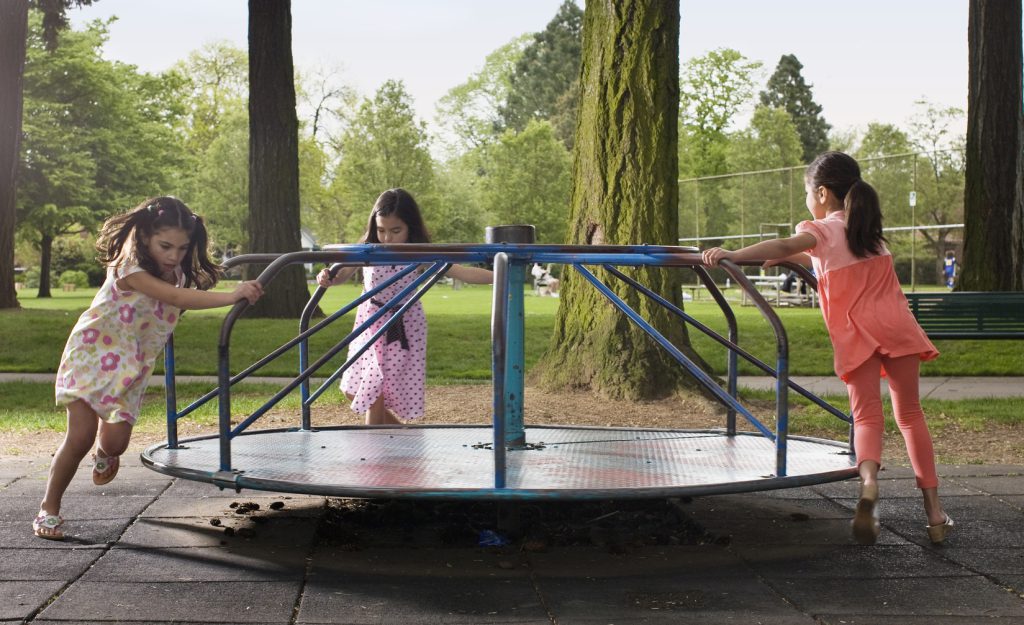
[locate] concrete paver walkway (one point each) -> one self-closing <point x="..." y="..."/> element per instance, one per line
<point x="143" y="549"/>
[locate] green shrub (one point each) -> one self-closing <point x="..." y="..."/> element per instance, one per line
<point x="75" y="277"/>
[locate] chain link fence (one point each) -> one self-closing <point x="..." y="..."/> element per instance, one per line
<point x="922" y="196"/>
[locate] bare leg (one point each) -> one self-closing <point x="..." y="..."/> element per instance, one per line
<point x="78" y="440"/>
<point x="379" y="415"/>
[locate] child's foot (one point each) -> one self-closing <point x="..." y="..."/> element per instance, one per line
<point x="937" y="533"/>
<point x="47" y="526"/>
<point x="865" y="525"/>
<point x="104" y="468"/>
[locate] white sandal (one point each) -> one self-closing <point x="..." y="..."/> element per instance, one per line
<point x="47" y="526"/>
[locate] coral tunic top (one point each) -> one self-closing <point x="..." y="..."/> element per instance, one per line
<point x="864" y="307"/>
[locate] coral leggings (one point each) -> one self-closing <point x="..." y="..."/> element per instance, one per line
<point x="868" y="422"/>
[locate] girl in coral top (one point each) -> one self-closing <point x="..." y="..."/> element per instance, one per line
<point x="873" y="332"/>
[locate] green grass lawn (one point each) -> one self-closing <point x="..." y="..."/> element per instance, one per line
<point x="33" y="337"/>
<point x="458" y="352"/>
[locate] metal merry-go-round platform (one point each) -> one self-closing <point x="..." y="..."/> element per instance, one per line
<point x="505" y="459"/>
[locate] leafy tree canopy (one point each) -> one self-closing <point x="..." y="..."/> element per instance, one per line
<point x="385" y="146"/>
<point x="547" y="71"/>
<point x="787" y="90"/>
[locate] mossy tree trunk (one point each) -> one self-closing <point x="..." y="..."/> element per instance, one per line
<point x="993" y="257"/>
<point x="274" y="155"/>
<point x="624" y="192"/>
<point x="13" y="29"/>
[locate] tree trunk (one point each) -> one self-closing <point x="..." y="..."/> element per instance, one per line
<point x="624" y="192"/>
<point x="13" y="30"/>
<point x="45" y="261"/>
<point x="993" y="256"/>
<point x="274" y="155"/>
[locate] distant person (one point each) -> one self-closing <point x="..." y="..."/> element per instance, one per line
<point x="869" y="322"/>
<point x="154" y="254"/>
<point x="388" y="381"/>
<point x="543" y="281"/>
<point x="949" y="269"/>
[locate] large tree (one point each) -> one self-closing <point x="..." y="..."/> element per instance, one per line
<point x="543" y="84"/>
<point x="786" y="89"/>
<point x="528" y="181"/>
<point x="993" y="204"/>
<point x="13" y="29"/>
<point x="625" y="192"/>
<point x="96" y="137"/>
<point x="385" y="146"/>
<point x="274" y="154"/>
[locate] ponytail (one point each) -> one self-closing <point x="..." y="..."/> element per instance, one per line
<point x="840" y="173"/>
<point x="863" y="220"/>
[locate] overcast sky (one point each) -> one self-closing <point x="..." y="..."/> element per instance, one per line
<point x="867" y="60"/>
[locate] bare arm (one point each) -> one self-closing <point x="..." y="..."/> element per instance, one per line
<point x="799" y="259"/>
<point x="771" y="250"/>
<point x="189" y="299"/>
<point x="472" y="275"/>
<point x="324" y="277"/>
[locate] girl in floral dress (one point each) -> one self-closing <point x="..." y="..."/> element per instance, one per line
<point x="157" y="266"/>
<point x="387" y="383"/>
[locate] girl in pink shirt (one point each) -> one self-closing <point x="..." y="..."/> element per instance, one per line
<point x="873" y="332"/>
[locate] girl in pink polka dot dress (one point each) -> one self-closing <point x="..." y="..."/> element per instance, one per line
<point x="157" y="265"/>
<point x="387" y="383"/>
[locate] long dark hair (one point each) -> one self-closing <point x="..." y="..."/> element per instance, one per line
<point x="401" y="204"/>
<point x="840" y="174"/>
<point x="122" y="239"/>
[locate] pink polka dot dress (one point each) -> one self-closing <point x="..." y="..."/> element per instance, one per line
<point x="112" y="348"/>
<point x="396" y="365"/>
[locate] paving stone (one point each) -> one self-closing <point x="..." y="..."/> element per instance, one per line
<point x="200" y="602"/>
<point x="18" y="600"/>
<point x="753" y="507"/>
<point x="590" y="562"/>
<point x="666" y="599"/>
<point x="77" y="534"/>
<point x="972" y="533"/>
<point x="79" y="507"/>
<point x="20" y="565"/>
<point x="197" y="532"/>
<point x="789" y="531"/>
<point x="236" y="561"/>
<point x="920" y="596"/>
<point x="998" y="485"/>
<point x="903" y="619"/>
<point x="814" y="562"/>
<point x="359" y="598"/>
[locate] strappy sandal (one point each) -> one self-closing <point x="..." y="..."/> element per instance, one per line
<point x="937" y="533"/>
<point x="104" y="469"/>
<point x="47" y="526"/>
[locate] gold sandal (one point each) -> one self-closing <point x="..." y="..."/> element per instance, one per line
<point x="937" y="533"/>
<point x="865" y="525"/>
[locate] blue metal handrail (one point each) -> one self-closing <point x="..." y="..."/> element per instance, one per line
<point x="505" y="257"/>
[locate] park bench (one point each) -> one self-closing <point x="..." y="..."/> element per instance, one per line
<point x="970" y="314"/>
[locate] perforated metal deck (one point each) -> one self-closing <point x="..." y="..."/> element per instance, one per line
<point x="457" y="462"/>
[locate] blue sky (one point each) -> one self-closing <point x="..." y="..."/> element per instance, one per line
<point x="868" y="60"/>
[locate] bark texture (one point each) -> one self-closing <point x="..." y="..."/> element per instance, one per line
<point x="624" y="193"/>
<point x="13" y="30"/>
<point x="274" y="154"/>
<point x="993" y="257"/>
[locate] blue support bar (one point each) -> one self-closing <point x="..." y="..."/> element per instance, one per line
<point x="172" y="394"/>
<point x="515" y="357"/>
<point x="499" y="321"/>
